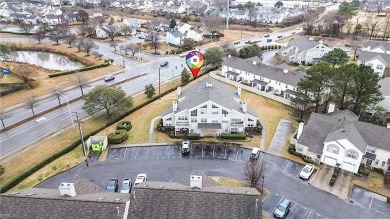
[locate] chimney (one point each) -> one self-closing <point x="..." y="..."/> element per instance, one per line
<point x="178" y="91"/>
<point x="174" y="105"/>
<point x="195" y="182"/>
<point x="285" y="71"/>
<point x="67" y="189"/>
<point x="300" y="129"/>
<point x="388" y="125"/>
<point x="239" y="91"/>
<point x="331" y="107"/>
<point x="244" y="106"/>
<point x="229" y="56"/>
<point x="254" y="62"/>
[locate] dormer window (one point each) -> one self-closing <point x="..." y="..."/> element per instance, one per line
<point x="370" y="150"/>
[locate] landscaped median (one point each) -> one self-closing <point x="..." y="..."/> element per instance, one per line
<point x="21" y="171"/>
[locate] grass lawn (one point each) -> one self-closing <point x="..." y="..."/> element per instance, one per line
<point x="231" y="182"/>
<point x="373" y="182"/>
<point x="135" y="58"/>
<point x="10" y="79"/>
<point x="290" y="156"/>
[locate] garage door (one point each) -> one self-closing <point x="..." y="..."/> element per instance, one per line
<point x="330" y="161"/>
<point x="349" y="166"/>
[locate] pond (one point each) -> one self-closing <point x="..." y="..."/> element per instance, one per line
<point x="47" y="60"/>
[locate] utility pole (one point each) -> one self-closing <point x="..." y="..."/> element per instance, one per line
<point x="227" y="15"/>
<point x="159" y="83"/>
<point x="76" y="114"/>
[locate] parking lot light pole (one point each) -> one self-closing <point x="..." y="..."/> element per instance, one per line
<point x="159" y="83"/>
<point x="70" y="112"/>
<point x="262" y="185"/>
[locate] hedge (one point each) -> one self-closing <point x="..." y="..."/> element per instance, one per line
<point x="233" y="136"/>
<point x="105" y="64"/>
<point x="117" y="137"/>
<point x="33" y="169"/>
<point x="121" y="125"/>
<point x="193" y="136"/>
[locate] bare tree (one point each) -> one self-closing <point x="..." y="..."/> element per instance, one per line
<point x="82" y="29"/>
<point x="253" y="171"/>
<point x="57" y="93"/>
<point x="88" y="45"/>
<point x="31" y="103"/>
<point x="387" y="29"/>
<point x="112" y="33"/>
<point x="56" y="35"/>
<point x="133" y="49"/>
<point x="213" y="23"/>
<point x="3" y="116"/>
<point x="81" y="81"/>
<point x="26" y="27"/>
<point x="26" y="73"/>
<point x="154" y="40"/>
<point x="39" y="35"/>
<point x="114" y="45"/>
<point x="79" y="44"/>
<point x="126" y="30"/>
<point x="70" y="39"/>
<point x="125" y="48"/>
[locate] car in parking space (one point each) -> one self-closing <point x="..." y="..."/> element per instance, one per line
<point x="269" y="40"/>
<point x="280" y="36"/>
<point x="255" y="154"/>
<point x="293" y="32"/>
<point x="306" y="171"/>
<point x="112" y="185"/>
<point x="282" y="209"/>
<point x="140" y="178"/>
<point x="185" y="147"/>
<point x="127" y="184"/>
<point x="109" y="78"/>
<point x="266" y="35"/>
<point x="164" y="64"/>
<point x="141" y="37"/>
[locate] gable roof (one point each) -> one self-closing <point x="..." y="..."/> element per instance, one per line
<point x="174" y="200"/>
<point x="47" y="203"/>
<point x="176" y="34"/>
<point x="366" y="56"/>
<point x="385" y="87"/>
<point x="383" y="45"/>
<point x="302" y="43"/>
<point x="342" y="125"/>
<point x="220" y="94"/>
<point x="271" y="72"/>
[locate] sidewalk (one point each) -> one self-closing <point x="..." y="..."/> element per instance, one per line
<point x="151" y="129"/>
<point x="280" y="137"/>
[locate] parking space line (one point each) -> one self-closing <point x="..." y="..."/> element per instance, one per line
<point x="309" y="215"/>
<point x="147" y="150"/>
<point x="278" y="203"/>
<point x="202" y="151"/>
<point x="124" y="155"/>
<point x="136" y="152"/>
<point x="369" y="207"/>
<point x="169" y="151"/>
<point x="225" y="154"/>
<point x="158" y="150"/>
<point x="213" y="151"/>
<point x="286" y="166"/>
<point x="237" y="155"/>
<point x="296" y="176"/>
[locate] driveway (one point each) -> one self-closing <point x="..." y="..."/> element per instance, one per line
<point x="280" y="138"/>
<point x="165" y="163"/>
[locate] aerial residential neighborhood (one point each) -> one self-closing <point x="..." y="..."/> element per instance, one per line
<point x="195" y="109"/>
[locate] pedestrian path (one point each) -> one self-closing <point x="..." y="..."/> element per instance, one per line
<point x="151" y="129"/>
<point x="280" y="138"/>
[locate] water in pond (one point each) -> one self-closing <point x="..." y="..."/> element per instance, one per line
<point x="47" y="60"/>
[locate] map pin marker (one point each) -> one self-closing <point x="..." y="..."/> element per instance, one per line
<point x="194" y="62"/>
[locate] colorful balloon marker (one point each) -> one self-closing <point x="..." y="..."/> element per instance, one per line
<point x="195" y="61"/>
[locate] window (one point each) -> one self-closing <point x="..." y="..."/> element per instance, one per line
<point x="333" y="149"/>
<point x="214" y="107"/>
<point x="204" y="107"/>
<point x="370" y="150"/>
<point x="379" y="67"/>
<point x="236" y="121"/>
<point x="250" y="120"/>
<point x="225" y="121"/>
<point x="224" y="113"/>
<point x="352" y="154"/>
<point x="194" y="120"/>
<point x="194" y="113"/>
<point x="182" y="118"/>
<point x="168" y="119"/>
<point x="203" y="120"/>
<point x="299" y="149"/>
<point x="383" y="163"/>
<point x="214" y="121"/>
<point x="215" y="112"/>
<point x="376" y="162"/>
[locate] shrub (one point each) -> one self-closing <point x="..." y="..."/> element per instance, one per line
<point x="308" y="160"/>
<point x="333" y="178"/>
<point x="172" y="134"/>
<point x="193" y="136"/>
<point x="233" y="136"/>
<point x="105" y="64"/>
<point x="118" y="137"/>
<point x="259" y="128"/>
<point x="337" y="170"/>
<point x="331" y="183"/>
<point x="126" y="125"/>
<point x="160" y="127"/>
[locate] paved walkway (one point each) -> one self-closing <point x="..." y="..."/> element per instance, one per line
<point x="280" y="138"/>
<point x="151" y="128"/>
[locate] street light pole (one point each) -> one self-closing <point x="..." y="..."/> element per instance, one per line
<point x="159" y="83"/>
<point x="81" y="132"/>
<point x="262" y="185"/>
<point x="70" y="112"/>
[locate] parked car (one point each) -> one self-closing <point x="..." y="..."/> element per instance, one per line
<point x="266" y="35"/>
<point x="280" y="36"/>
<point x="127" y="184"/>
<point x="112" y="185"/>
<point x="269" y="40"/>
<point x="282" y="209"/>
<point x="255" y="154"/>
<point x="109" y="78"/>
<point x="140" y="178"/>
<point x="293" y="32"/>
<point x="164" y="64"/>
<point x="306" y="171"/>
<point x="141" y="37"/>
<point x="185" y="147"/>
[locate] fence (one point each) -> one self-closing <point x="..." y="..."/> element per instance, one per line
<point x="248" y="88"/>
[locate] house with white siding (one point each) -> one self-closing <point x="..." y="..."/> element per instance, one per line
<point x="174" y="38"/>
<point x="304" y="51"/>
<point x="376" y="54"/>
<point x="338" y="139"/>
<point x="209" y="107"/>
<point x="278" y="80"/>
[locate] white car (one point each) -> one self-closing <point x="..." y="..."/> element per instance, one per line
<point x="306" y="171"/>
<point x="185" y="147"/>
<point x="140" y="178"/>
<point x="126" y="186"/>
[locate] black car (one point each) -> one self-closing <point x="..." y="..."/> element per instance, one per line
<point x="164" y="64"/>
<point x="269" y="40"/>
<point x="112" y="185"/>
<point x="109" y="78"/>
<point x="280" y="36"/>
<point x="266" y="35"/>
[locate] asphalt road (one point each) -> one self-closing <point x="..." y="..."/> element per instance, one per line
<point x="165" y="163"/>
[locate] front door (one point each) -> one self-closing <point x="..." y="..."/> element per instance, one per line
<point x="368" y="162"/>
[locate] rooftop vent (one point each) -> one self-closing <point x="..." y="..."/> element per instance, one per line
<point x="101" y="198"/>
<point x="161" y="186"/>
<point x="67" y="189"/>
<point x="30" y="194"/>
<point x="15" y="193"/>
<point x="195" y="182"/>
<point x="254" y="62"/>
<point x="285" y="71"/>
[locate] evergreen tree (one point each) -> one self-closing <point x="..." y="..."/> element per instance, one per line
<point x="185" y="76"/>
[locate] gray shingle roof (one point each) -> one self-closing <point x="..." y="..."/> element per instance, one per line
<point x="176" y="34"/>
<point x="366" y="56"/>
<point x="273" y="73"/>
<point x="302" y="43"/>
<point x="172" y="200"/>
<point x="220" y="94"/>
<point x="328" y="127"/>
<point x="384" y="45"/>
<point x="385" y="87"/>
<point x="47" y="203"/>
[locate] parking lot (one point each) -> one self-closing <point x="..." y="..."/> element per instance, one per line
<point x="297" y="211"/>
<point x="372" y="201"/>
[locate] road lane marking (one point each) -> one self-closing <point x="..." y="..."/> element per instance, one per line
<point x="237" y="154"/>
<point x="124" y="155"/>
<point x="33" y="133"/>
<point x="309" y="215"/>
<point x="136" y="154"/>
<point x="286" y="166"/>
<point x="369" y="208"/>
<point x="147" y="151"/>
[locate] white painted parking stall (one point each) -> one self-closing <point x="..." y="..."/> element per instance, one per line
<point x="372" y="201"/>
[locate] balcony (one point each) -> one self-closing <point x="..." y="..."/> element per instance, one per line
<point x="182" y="124"/>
